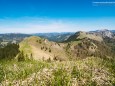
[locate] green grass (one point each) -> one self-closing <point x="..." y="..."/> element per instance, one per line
<point x="91" y="71"/>
<point x="25" y="47"/>
<point x="13" y="70"/>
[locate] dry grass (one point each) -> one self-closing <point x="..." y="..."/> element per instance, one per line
<point x="91" y="36"/>
<point x="42" y="48"/>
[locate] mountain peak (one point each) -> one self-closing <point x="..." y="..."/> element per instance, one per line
<point x="104" y="33"/>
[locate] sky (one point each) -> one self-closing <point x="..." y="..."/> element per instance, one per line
<point x="37" y="16"/>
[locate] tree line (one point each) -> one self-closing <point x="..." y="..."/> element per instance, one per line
<point x="9" y="52"/>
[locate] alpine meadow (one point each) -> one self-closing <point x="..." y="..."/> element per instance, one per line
<point x="57" y="43"/>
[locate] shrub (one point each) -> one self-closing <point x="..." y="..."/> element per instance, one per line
<point x="49" y="50"/>
<point x="21" y="56"/>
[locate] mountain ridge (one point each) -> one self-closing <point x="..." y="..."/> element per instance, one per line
<point x="56" y="37"/>
<point x="80" y="45"/>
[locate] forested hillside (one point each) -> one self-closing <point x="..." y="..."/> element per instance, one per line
<point x="9" y="52"/>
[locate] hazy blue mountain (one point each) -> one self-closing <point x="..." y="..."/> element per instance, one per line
<point x="9" y="37"/>
<point x="56" y="37"/>
<point x="112" y="31"/>
<point x="53" y="36"/>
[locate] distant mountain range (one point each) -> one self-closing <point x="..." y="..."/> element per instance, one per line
<point x="13" y="36"/>
<point x="112" y="31"/>
<point x="56" y="37"/>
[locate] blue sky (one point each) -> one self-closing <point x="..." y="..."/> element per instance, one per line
<point x="34" y="16"/>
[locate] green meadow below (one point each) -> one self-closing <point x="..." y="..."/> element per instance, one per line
<point x="91" y="71"/>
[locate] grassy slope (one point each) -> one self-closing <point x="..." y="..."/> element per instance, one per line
<point x="40" y="48"/>
<point x="81" y="35"/>
<point x="91" y="71"/>
<point x="91" y="36"/>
